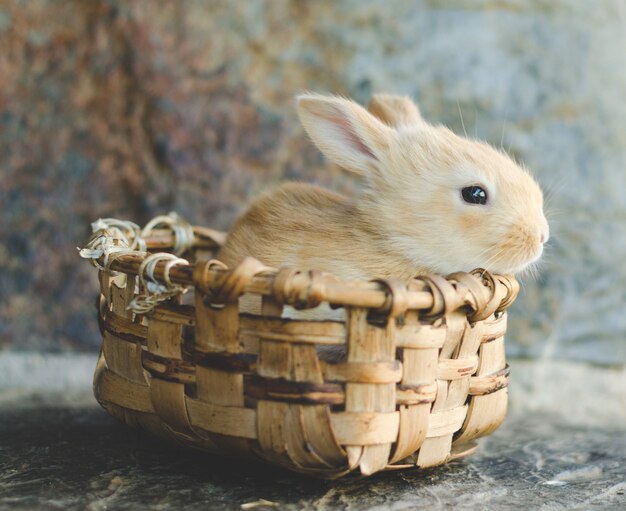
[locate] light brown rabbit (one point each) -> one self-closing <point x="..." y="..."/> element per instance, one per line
<point x="432" y="201"/>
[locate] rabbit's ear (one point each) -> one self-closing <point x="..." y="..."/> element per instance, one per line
<point x="345" y="132"/>
<point x="394" y="110"/>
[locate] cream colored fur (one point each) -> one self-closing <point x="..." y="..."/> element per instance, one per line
<point x="410" y="217"/>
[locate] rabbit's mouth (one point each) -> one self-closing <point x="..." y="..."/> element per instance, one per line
<point x="515" y="262"/>
<point x="521" y="249"/>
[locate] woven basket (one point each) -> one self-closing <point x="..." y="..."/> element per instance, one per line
<point x="423" y="376"/>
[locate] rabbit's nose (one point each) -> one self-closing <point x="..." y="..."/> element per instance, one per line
<point x="544" y="237"/>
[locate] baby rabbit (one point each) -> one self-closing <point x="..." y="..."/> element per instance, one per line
<point x="433" y="202"/>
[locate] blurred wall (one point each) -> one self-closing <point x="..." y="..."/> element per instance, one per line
<point x="134" y="108"/>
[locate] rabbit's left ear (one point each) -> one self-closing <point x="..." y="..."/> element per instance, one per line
<point x="394" y="110"/>
<point x="345" y="132"/>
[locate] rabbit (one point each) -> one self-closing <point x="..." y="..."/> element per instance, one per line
<point x="432" y="201"/>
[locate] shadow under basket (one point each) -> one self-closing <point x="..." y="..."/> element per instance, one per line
<point x="423" y="374"/>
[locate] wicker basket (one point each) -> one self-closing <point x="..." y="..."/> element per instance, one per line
<point x="424" y="374"/>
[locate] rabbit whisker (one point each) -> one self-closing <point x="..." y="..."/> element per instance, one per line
<point x="461" y="115"/>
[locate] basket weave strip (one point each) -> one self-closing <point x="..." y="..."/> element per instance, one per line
<point x="423" y="375"/>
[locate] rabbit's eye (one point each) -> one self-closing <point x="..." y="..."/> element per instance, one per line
<point x="474" y="195"/>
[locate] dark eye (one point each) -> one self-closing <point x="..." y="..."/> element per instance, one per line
<point x="474" y="195"/>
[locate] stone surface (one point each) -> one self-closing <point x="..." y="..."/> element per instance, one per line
<point x="136" y="108"/>
<point x="76" y="458"/>
<point x="59" y="450"/>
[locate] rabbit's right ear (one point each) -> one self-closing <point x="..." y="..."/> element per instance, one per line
<point x="394" y="110"/>
<point x="345" y="132"/>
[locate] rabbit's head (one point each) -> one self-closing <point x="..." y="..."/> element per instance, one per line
<point x="442" y="201"/>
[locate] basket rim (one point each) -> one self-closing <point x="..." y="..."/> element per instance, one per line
<point x="479" y="292"/>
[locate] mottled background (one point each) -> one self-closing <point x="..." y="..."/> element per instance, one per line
<point x="134" y="108"/>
